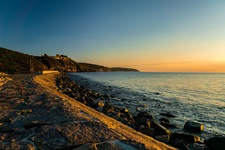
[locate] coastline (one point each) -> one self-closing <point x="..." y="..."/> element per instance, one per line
<point x="113" y="124"/>
<point x="188" y="138"/>
<point x="36" y="115"/>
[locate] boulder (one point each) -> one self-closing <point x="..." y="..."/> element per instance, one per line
<point x="124" y="110"/>
<point x="147" y="130"/>
<point x="189" y="138"/>
<point x="197" y="146"/>
<point x="160" y="130"/>
<point x="106" y="96"/>
<point x="115" y="115"/>
<point x="98" y="104"/>
<point x="108" y="108"/>
<point x="216" y="143"/>
<point x="193" y="126"/>
<point x="143" y="122"/>
<point x="145" y="115"/>
<point x="163" y="138"/>
<point x="101" y="104"/>
<point x="179" y="144"/>
<point x="127" y="118"/>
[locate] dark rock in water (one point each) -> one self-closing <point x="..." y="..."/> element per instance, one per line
<point x="168" y="125"/>
<point x="143" y="122"/>
<point x="168" y="115"/>
<point x="107" y="96"/>
<point x="147" y="130"/>
<point x="178" y="144"/>
<point x="197" y="146"/>
<point x="165" y="120"/>
<point x="160" y="130"/>
<point x="101" y="104"/>
<point x="124" y="110"/>
<point x="127" y="118"/>
<point x="216" y="143"/>
<point x="123" y="99"/>
<point x="189" y="138"/>
<point x="115" y="115"/>
<point x="108" y="108"/>
<point x="3" y="136"/>
<point x="163" y="138"/>
<point x="98" y="104"/>
<point x="145" y="115"/>
<point x="156" y="93"/>
<point x="143" y="105"/>
<point x="193" y="126"/>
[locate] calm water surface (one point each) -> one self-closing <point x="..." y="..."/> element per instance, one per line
<point x="198" y="97"/>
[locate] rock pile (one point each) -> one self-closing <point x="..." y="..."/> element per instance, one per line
<point x="143" y="121"/>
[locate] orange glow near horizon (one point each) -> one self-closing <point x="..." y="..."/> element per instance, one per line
<point x="185" y="66"/>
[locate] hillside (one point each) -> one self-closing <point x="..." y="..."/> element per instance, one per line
<point x="12" y="61"/>
<point x="16" y="62"/>
<point x="123" y="69"/>
<point x="85" y="67"/>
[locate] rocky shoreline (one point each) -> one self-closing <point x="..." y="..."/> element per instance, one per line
<point x="143" y="122"/>
<point x="34" y="115"/>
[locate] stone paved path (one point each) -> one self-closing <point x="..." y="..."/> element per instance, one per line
<point x="33" y="118"/>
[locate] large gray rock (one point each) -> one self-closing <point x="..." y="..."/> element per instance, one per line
<point x="216" y="143"/>
<point x="147" y="130"/>
<point x="143" y="122"/>
<point x="163" y="138"/>
<point x="190" y="138"/>
<point x="145" y="115"/>
<point x="193" y="126"/>
<point x="161" y="130"/>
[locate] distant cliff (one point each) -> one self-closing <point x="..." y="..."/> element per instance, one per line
<point x="15" y="62"/>
<point x="123" y="69"/>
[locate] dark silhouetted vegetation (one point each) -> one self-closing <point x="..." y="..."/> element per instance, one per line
<point x="16" y="62"/>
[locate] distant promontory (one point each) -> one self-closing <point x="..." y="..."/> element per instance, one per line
<point x="16" y="62"/>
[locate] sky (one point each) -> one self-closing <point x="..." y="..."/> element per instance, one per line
<point x="149" y="35"/>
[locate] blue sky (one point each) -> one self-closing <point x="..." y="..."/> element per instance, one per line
<point x="127" y="33"/>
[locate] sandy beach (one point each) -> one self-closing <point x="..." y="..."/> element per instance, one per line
<point x="36" y="115"/>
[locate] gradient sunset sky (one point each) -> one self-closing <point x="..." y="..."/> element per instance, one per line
<point x="150" y="35"/>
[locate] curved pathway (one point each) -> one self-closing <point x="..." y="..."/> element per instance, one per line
<point x="37" y="116"/>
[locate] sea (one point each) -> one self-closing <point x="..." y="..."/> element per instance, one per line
<point x="197" y="97"/>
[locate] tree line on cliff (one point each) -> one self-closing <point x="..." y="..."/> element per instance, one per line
<point x="16" y="62"/>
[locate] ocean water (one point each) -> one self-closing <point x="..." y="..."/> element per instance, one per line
<point x="198" y="97"/>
